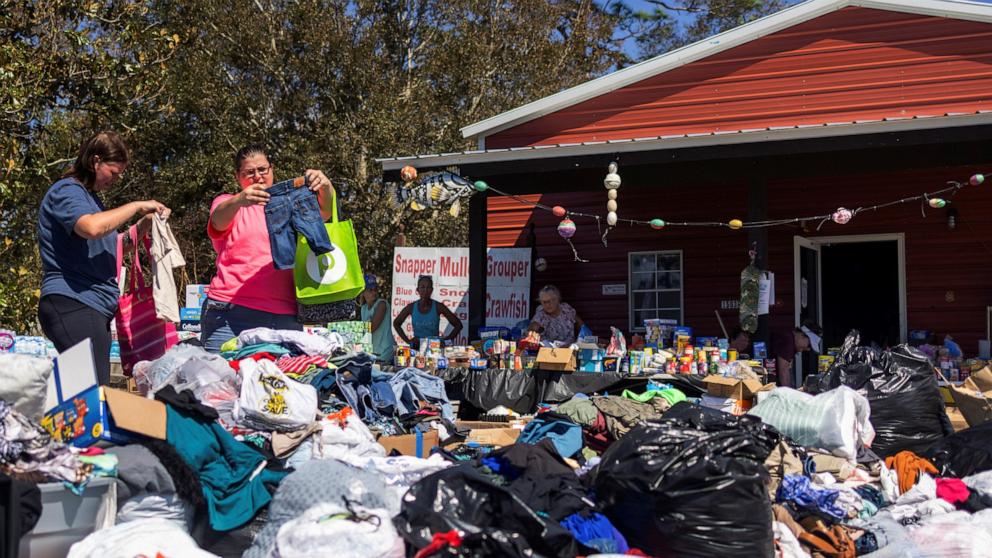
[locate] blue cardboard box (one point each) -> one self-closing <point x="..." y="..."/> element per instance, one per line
<point x="591" y="366"/>
<point x="189" y="319"/>
<point x="81" y="412"/>
<point x="592" y="355"/>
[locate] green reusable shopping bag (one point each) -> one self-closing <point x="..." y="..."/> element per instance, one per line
<point x="334" y="276"/>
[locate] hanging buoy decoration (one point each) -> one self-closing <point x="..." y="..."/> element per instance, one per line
<point x="842" y="216"/>
<point x="611" y="218"/>
<point x="480" y="186"/>
<point x="540" y="264"/>
<point x="937" y="203"/>
<point x="657" y="224"/>
<point x="408" y="174"/>
<point x="611" y="194"/>
<point x="735" y="224"/>
<point x="611" y="206"/>
<point x="612" y="180"/>
<point x="566" y="229"/>
<point x="558" y="211"/>
<point x="976" y="179"/>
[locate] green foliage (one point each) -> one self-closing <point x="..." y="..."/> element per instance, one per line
<point x="325" y="84"/>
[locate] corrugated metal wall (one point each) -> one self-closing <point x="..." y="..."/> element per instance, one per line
<point x="938" y="260"/>
<point x="854" y="64"/>
<point x="712" y="258"/>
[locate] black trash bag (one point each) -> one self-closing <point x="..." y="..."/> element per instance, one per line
<point x="677" y="489"/>
<point x="493" y="521"/>
<point x="964" y="453"/>
<point x="907" y="409"/>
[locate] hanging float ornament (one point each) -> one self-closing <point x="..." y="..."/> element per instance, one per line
<point x="480" y="186"/>
<point x="611" y="194"/>
<point x="408" y="174"/>
<point x="612" y="180"/>
<point x="842" y="216"/>
<point x="976" y="179"/>
<point x="735" y="224"/>
<point x="541" y="264"/>
<point x="937" y="203"/>
<point x="611" y="218"/>
<point x="558" y="211"/>
<point x="657" y="224"/>
<point x="611" y="206"/>
<point x="566" y="230"/>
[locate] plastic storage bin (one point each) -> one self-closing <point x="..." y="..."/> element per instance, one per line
<point x="65" y="519"/>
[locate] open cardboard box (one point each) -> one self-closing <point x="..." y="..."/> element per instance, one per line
<point x="974" y="397"/>
<point x="555" y="360"/>
<point x="731" y="388"/>
<point x="416" y="445"/>
<point x="82" y="413"/>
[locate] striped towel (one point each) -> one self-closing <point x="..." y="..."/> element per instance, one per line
<point x="300" y="364"/>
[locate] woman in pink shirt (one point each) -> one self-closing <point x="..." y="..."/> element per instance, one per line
<point x="248" y="291"/>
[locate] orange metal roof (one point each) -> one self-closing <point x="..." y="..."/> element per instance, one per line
<point x="854" y="64"/>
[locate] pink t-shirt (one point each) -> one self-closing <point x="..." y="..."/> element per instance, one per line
<point x="246" y="275"/>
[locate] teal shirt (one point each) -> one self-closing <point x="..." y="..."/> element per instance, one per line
<point x="426" y="325"/>
<point x="382" y="337"/>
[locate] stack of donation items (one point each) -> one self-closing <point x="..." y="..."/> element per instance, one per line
<point x="294" y="444"/>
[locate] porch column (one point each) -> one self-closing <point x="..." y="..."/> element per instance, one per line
<point x="477" y="240"/>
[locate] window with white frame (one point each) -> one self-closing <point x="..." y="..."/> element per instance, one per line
<point x="655" y="287"/>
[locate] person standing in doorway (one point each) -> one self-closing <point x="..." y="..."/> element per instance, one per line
<point x="77" y="239"/>
<point x="426" y="316"/>
<point x="375" y="310"/>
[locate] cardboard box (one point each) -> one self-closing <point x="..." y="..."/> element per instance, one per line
<point x="555" y="360"/>
<point x="974" y="397"/>
<point x="591" y="366"/>
<point x="731" y="388"/>
<point x="591" y="354"/>
<point x="494" y="436"/>
<point x="416" y="445"/>
<point x="83" y="413"/>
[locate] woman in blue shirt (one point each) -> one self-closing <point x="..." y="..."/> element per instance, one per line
<point x="78" y="244"/>
<point x="426" y="316"/>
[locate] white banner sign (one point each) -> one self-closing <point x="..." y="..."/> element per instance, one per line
<point x="507" y="298"/>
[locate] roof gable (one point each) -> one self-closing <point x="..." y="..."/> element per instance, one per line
<point x="748" y="41"/>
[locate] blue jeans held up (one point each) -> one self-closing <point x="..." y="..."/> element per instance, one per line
<point x="293" y="209"/>
<point x="222" y="321"/>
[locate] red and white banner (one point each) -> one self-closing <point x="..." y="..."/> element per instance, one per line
<point x="507" y="296"/>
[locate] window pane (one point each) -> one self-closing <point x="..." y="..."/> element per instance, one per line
<point x="669" y="262"/>
<point x="669" y="299"/>
<point x="644" y="262"/>
<point x="640" y="316"/>
<point x="645" y="300"/>
<point x="670" y="280"/>
<point x="670" y="314"/>
<point x="641" y="281"/>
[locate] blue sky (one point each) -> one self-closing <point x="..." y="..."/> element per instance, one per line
<point x="648" y="6"/>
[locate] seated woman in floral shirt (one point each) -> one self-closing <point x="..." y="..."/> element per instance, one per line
<point x="555" y="320"/>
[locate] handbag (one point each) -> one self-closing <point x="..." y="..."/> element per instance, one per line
<point x="142" y="335"/>
<point x="334" y="276"/>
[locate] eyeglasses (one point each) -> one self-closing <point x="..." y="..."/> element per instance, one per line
<point x="260" y="171"/>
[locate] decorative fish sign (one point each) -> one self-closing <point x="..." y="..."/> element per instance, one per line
<point x="443" y="188"/>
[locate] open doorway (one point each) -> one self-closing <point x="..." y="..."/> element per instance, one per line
<point x="861" y="291"/>
<point x="851" y="282"/>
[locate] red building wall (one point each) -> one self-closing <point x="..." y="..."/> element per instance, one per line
<point x="853" y="64"/>
<point x="938" y="260"/>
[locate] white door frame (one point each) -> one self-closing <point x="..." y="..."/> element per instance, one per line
<point x="816" y="241"/>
